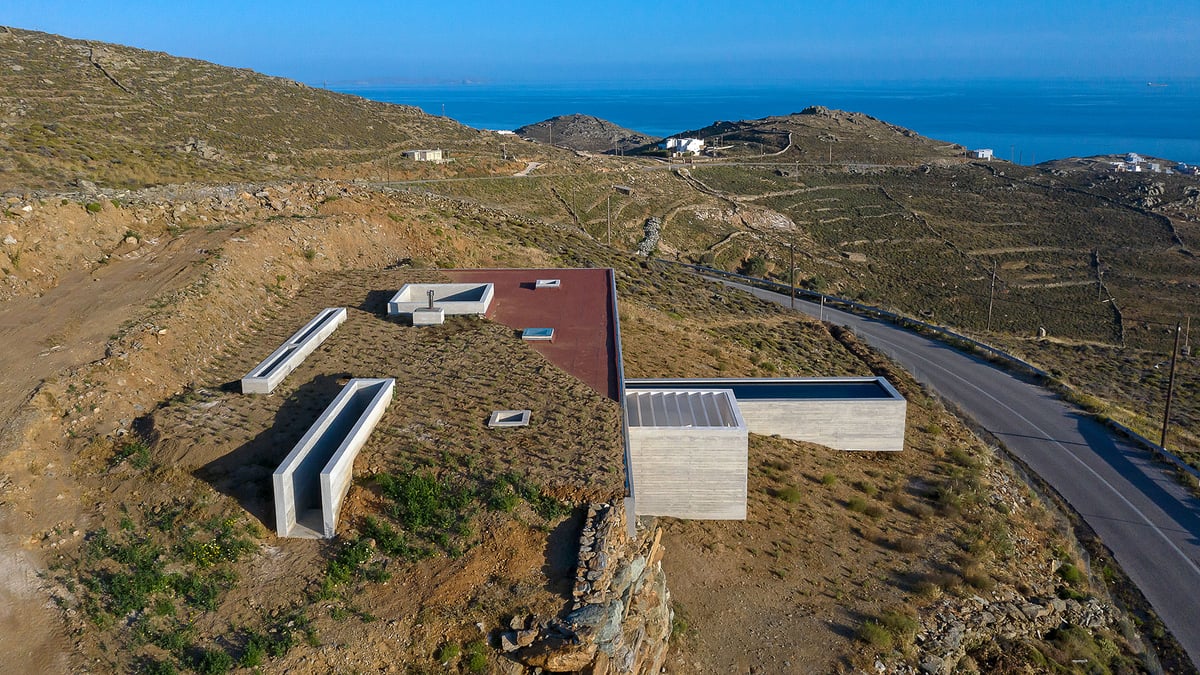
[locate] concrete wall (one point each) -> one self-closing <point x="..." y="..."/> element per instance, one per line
<point x="690" y="473"/>
<point x="867" y="418"/>
<point x="466" y="298"/>
<point x="870" y="425"/>
<point x="691" y="468"/>
<point x="313" y="479"/>
<point x="267" y="375"/>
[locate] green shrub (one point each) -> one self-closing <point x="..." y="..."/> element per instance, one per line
<point x="789" y="494"/>
<point x="447" y="652"/>
<point x="875" y="634"/>
<point x="1070" y="574"/>
<point x="212" y="662"/>
<point x="857" y="504"/>
<point x="900" y="624"/>
<point x="476" y="656"/>
<point x="156" y="667"/>
<point x="94" y="207"/>
<point x="255" y="651"/>
<point x="829" y="479"/>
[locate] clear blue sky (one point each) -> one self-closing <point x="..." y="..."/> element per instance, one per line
<point x="703" y="41"/>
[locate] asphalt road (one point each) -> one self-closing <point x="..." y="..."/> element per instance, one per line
<point x="1149" y="521"/>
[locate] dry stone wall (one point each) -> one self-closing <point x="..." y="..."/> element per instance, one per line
<point x="619" y="621"/>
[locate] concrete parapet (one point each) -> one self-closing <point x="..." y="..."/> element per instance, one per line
<point x="844" y="413"/>
<point x="467" y="298"/>
<point x="267" y="375"/>
<point x="313" y="479"/>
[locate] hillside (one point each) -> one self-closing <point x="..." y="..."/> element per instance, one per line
<point x="135" y="528"/>
<point x="125" y="117"/>
<point x="819" y="135"/>
<point x="587" y="133"/>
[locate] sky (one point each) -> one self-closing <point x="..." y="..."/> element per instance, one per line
<point x="617" y="41"/>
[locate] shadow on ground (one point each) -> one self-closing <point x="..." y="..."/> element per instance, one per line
<point x="245" y="473"/>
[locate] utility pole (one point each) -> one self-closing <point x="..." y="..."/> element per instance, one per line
<point x="792" y="271"/>
<point x="1170" y="386"/>
<point x="991" y="296"/>
<point x="831" y="153"/>
<point x="552" y="134"/>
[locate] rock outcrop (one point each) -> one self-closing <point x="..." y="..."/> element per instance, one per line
<point x="619" y="621"/>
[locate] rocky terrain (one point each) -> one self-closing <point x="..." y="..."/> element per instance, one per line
<point x="587" y="133"/>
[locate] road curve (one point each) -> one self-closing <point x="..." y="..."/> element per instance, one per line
<point x="1149" y="521"/>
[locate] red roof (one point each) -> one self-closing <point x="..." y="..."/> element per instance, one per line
<point x="581" y="311"/>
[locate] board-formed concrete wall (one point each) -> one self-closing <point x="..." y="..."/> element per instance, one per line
<point x="844" y="413"/>
<point x="313" y="479"/>
<point x="687" y="454"/>
<point x="267" y="375"/>
<point x="468" y="298"/>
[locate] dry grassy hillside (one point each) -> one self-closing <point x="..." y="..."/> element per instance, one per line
<point x="135" y="533"/>
<point x="124" y="117"/>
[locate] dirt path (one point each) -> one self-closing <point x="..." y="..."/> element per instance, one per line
<point x="69" y="325"/>
<point x="43" y="337"/>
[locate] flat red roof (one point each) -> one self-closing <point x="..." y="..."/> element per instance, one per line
<point x="581" y="312"/>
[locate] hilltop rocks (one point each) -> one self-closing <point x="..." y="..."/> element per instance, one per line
<point x="587" y="133"/>
<point x="950" y="632"/>
<point x="199" y="147"/>
<point x="652" y="233"/>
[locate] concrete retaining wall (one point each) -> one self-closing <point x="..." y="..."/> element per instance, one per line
<point x="688" y="454"/>
<point x="313" y="479"/>
<point x="845" y="413"/>
<point x="468" y="298"/>
<point x="267" y="375"/>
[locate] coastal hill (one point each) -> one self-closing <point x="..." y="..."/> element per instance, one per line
<point x="819" y="134"/>
<point x="128" y="117"/>
<point x="135" y="529"/>
<point x="587" y="133"/>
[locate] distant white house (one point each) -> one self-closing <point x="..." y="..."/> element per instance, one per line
<point x="424" y="155"/>
<point x="1134" y="158"/>
<point x="981" y="153"/>
<point x="682" y="146"/>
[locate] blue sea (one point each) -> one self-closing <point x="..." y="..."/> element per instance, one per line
<point x="1023" y="121"/>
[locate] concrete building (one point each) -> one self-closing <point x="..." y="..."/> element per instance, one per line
<point x="685" y="441"/>
<point x="425" y="155"/>
<point x="981" y="153"/>
<point x="844" y="413"/>
<point x="682" y="146"/>
<point x="688" y="453"/>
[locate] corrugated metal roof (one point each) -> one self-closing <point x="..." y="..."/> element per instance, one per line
<point x="682" y="409"/>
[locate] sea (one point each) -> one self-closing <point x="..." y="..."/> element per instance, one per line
<point x="1024" y="121"/>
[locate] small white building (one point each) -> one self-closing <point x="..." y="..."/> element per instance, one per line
<point x="425" y="155"/>
<point x="1134" y="158"/>
<point x="682" y="146"/>
<point x="981" y="153"/>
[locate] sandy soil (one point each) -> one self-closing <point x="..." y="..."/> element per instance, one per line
<point x="63" y="329"/>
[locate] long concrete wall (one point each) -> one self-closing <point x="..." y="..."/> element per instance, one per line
<point x="869" y="425"/>
<point x="846" y="413"/>
<point x="313" y="479"/>
<point x="267" y="375"/>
